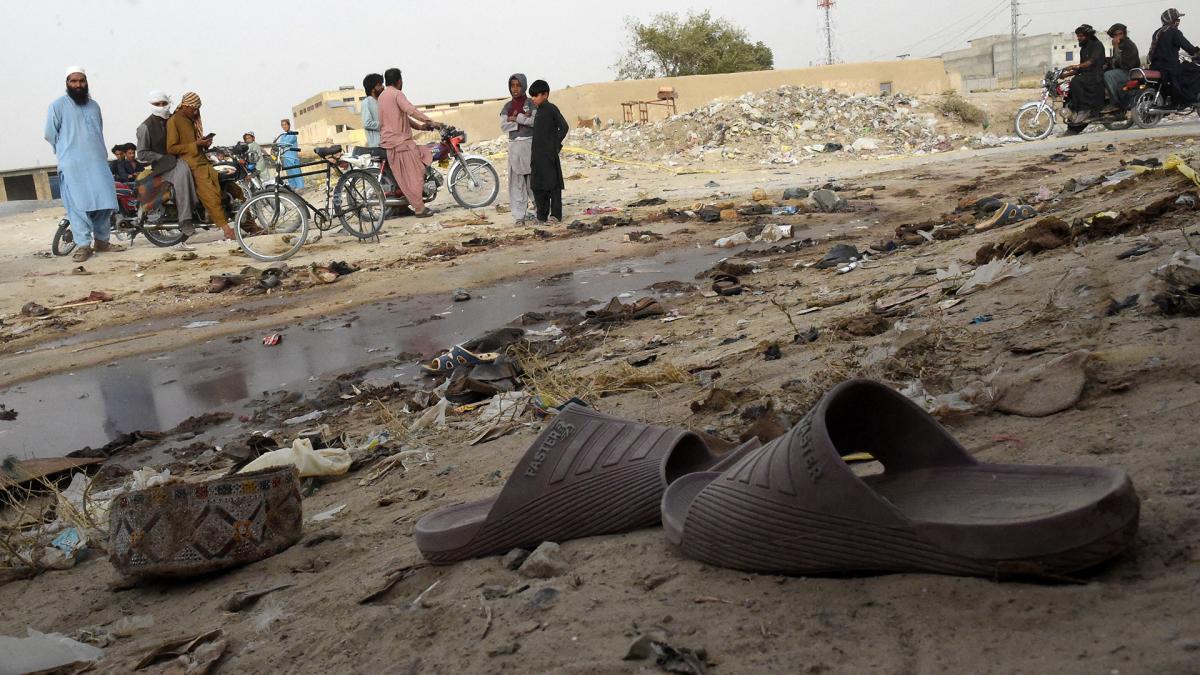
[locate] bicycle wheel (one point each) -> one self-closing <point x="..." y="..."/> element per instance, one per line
<point x="272" y="226"/>
<point x="358" y="202"/>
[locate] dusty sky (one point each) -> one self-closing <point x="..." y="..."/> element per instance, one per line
<point x="251" y="61"/>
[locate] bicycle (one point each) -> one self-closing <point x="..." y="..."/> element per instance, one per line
<point x="273" y="224"/>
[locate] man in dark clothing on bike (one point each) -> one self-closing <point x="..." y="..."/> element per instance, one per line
<point x="1087" y="88"/>
<point x="1124" y="59"/>
<point x="1183" y="79"/>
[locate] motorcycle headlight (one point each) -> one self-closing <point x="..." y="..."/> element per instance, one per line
<point x="463" y="134"/>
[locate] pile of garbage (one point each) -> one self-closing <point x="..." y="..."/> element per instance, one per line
<point x="779" y="126"/>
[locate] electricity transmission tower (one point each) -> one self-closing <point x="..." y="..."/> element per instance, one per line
<point x="827" y="5"/>
<point x="1016" y="35"/>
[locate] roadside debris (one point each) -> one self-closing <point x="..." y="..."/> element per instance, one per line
<point x="43" y="652"/>
<point x="1043" y="390"/>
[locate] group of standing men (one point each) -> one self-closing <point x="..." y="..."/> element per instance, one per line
<point x="534" y="170"/>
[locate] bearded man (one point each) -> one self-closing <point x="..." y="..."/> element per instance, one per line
<point x="75" y="129"/>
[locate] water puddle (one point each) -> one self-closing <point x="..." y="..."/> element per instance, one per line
<point x="65" y="412"/>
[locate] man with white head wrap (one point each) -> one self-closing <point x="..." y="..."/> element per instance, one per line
<point x="164" y="168"/>
<point x="75" y="129"/>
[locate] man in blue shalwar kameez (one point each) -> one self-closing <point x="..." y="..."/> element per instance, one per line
<point x="75" y="129"/>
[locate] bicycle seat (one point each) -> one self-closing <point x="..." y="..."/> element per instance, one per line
<point x="328" y="151"/>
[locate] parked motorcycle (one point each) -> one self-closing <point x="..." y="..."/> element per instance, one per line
<point x="237" y="185"/>
<point x="1036" y="120"/>
<point x="1153" y="100"/>
<point x="473" y="181"/>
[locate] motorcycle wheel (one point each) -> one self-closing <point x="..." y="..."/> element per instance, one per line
<point x="1141" y="110"/>
<point x="358" y="202"/>
<point x="1034" y="124"/>
<point x="64" y="241"/>
<point x="487" y="183"/>
<point x="162" y="235"/>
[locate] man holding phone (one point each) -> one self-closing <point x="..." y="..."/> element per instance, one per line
<point x="187" y="141"/>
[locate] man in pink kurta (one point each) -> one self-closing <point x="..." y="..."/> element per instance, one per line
<point x="407" y="159"/>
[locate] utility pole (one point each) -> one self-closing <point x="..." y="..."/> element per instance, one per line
<point x="1016" y="37"/>
<point x="827" y="5"/>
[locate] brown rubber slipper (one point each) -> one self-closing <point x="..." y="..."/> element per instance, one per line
<point x="586" y="474"/>
<point x="794" y="507"/>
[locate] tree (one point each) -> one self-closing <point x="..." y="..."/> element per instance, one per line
<point x="698" y="44"/>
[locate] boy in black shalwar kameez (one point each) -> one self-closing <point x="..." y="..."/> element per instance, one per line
<point x="549" y="132"/>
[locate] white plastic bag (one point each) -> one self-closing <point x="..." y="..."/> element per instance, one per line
<point x="324" y="462"/>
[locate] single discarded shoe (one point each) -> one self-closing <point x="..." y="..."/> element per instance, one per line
<point x="586" y="474"/>
<point x="795" y="507"/>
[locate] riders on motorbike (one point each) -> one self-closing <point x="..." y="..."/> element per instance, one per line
<point x="1182" y="79"/>
<point x="1087" y="87"/>
<point x="187" y="141"/>
<point x="166" y="171"/>
<point x="1125" y="58"/>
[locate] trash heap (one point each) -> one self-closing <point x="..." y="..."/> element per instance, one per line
<point x="779" y="126"/>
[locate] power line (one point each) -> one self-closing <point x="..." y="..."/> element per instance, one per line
<point x="971" y="30"/>
<point x="1089" y="9"/>
<point x="937" y="33"/>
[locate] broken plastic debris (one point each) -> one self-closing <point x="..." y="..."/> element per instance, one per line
<point x="328" y="514"/>
<point x="200" y="324"/>
<point x="304" y="419"/>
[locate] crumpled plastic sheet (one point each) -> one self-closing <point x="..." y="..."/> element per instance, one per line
<point x="774" y="233"/>
<point x="974" y="397"/>
<point x="732" y="240"/>
<point x="42" y="651"/>
<point x="991" y="274"/>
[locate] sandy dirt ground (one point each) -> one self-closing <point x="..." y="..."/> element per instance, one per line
<point x="1135" y="614"/>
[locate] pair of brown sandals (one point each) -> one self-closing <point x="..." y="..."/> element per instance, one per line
<point x="794" y="506"/>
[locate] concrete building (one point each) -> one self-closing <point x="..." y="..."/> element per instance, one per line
<point x="333" y="116"/>
<point x="987" y="63"/>
<point x="39" y="183"/>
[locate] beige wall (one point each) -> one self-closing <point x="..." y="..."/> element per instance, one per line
<point x="603" y="100"/>
<point x="41" y="182"/>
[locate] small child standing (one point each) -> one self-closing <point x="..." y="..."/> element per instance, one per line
<point x="549" y="132"/>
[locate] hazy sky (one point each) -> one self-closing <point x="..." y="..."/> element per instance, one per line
<point x="251" y="61"/>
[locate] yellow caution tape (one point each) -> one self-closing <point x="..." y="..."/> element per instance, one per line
<point x="1176" y="162"/>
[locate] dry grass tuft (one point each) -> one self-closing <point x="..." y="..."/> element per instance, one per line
<point x="953" y="104"/>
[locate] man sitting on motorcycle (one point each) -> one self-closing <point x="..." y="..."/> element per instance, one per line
<point x="407" y="159"/>
<point x="1124" y="59"/>
<point x="166" y="171"/>
<point x="1182" y="79"/>
<point x="187" y="141"/>
<point x="1087" y="88"/>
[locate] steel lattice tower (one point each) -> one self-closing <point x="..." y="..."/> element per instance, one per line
<point x="827" y="5"/>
